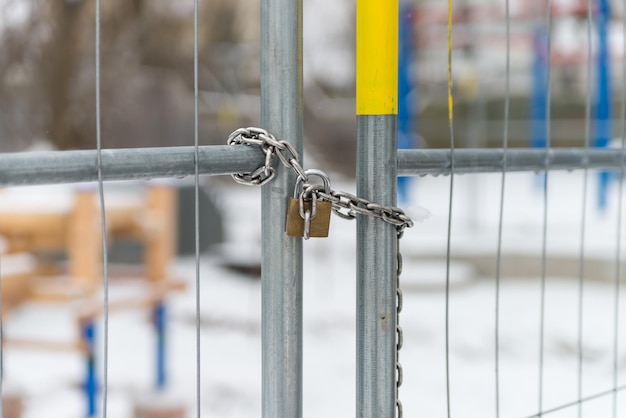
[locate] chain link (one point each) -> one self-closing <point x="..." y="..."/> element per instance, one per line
<point x="399" y="332"/>
<point x="285" y="152"/>
<point x="344" y="204"/>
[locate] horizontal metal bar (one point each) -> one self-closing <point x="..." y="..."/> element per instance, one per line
<point x="55" y="167"/>
<point x="437" y="161"/>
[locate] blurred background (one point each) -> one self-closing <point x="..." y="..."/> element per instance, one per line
<point x="49" y="235"/>
<point x="47" y="72"/>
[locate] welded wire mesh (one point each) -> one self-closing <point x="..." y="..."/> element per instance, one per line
<point x="104" y="165"/>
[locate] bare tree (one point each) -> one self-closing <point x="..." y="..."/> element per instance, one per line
<point x="47" y="70"/>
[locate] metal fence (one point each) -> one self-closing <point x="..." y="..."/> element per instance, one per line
<point x="379" y="336"/>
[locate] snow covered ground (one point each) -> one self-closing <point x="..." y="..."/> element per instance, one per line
<point x="231" y="302"/>
<point x="231" y="312"/>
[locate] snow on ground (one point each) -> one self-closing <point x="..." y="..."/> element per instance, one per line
<point x="231" y="312"/>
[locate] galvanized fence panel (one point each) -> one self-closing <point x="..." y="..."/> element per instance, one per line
<point x="378" y="298"/>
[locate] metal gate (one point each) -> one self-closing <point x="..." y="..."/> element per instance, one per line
<point x="260" y="157"/>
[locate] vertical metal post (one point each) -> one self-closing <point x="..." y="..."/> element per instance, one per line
<point x="90" y="386"/>
<point x="159" y="313"/>
<point x="539" y="90"/>
<point x="603" y="95"/>
<point x="281" y="114"/>
<point x="377" y="104"/>
<point x="539" y="99"/>
<point x="406" y="90"/>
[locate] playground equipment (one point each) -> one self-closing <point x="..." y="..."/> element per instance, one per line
<point x="152" y="300"/>
<point x="12" y="405"/>
<point x="72" y="229"/>
<point x="378" y="296"/>
<point x="530" y="35"/>
<point x="151" y="407"/>
<point x="603" y="94"/>
<point x="406" y="91"/>
<point x="602" y="103"/>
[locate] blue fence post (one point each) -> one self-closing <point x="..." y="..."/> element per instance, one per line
<point x="539" y="98"/>
<point x="160" y="322"/>
<point x="406" y="92"/>
<point x="90" y="386"/>
<point x="603" y="95"/>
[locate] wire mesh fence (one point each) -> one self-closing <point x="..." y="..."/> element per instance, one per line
<point x="565" y="334"/>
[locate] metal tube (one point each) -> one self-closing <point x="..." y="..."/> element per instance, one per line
<point x="376" y="109"/>
<point x="90" y="386"/>
<point x="376" y="269"/>
<point x="54" y="167"/>
<point x="437" y="161"/>
<point x="281" y="114"/>
<point x="159" y="312"/>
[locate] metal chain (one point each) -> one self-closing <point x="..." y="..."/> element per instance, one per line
<point x="285" y="152"/>
<point x="399" y="332"/>
<point x="345" y="205"/>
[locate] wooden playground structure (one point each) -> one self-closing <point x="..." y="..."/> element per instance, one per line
<point x="74" y="236"/>
<point x="77" y="234"/>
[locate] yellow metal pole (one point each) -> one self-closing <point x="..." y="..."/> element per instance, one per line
<point x="376" y="108"/>
<point x="377" y="57"/>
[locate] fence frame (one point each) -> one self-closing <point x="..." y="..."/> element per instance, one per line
<point x="376" y="178"/>
<point x="281" y="265"/>
<point x="377" y="168"/>
<point x="57" y="167"/>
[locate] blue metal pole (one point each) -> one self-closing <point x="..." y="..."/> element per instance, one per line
<point x="160" y="319"/>
<point x="538" y="102"/>
<point x="603" y="95"/>
<point x="91" y="382"/>
<point x="406" y="92"/>
<point x="539" y="99"/>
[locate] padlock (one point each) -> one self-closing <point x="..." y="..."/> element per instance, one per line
<point x="309" y="217"/>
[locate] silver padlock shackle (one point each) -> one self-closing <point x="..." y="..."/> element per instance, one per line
<point x="301" y="181"/>
<point x="300" y="191"/>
